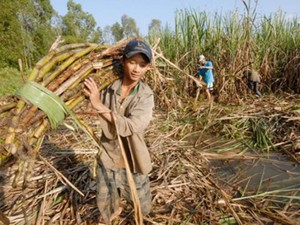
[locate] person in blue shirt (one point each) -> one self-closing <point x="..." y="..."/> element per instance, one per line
<point x="205" y="73"/>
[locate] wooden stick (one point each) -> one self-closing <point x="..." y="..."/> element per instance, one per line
<point x="136" y="202"/>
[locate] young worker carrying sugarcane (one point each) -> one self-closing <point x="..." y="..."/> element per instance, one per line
<point x="125" y="108"/>
<point x="205" y="73"/>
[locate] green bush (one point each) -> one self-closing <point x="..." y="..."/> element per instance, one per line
<point x="10" y="80"/>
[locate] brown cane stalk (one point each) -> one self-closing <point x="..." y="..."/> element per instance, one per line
<point x="65" y="65"/>
<point x="48" y="66"/>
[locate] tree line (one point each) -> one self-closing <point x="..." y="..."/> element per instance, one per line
<point x="29" y="27"/>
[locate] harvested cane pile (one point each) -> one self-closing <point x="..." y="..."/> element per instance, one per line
<point x="61" y="72"/>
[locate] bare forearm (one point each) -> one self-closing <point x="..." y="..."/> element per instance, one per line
<point x="207" y="67"/>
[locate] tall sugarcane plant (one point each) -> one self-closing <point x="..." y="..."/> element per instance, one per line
<point x="53" y="92"/>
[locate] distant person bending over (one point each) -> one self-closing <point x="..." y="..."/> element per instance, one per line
<point x="127" y="104"/>
<point x="205" y="73"/>
<point x="253" y="81"/>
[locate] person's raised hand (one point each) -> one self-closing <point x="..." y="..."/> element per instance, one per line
<point x="91" y="90"/>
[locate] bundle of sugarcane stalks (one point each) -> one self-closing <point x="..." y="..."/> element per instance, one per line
<point x="59" y="74"/>
<point x="51" y="94"/>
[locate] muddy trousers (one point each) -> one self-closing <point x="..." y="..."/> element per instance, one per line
<point x="253" y="85"/>
<point x="113" y="184"/>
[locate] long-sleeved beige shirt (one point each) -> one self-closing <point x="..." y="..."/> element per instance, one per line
<point x="133" y="116"/>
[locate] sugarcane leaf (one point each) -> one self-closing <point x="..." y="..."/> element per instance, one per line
<point x="53" y="106"/>
<point x="45" y="100"/>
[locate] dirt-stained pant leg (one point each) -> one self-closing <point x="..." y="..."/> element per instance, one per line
<point x="250" y="84"/>
<point x="142" y="184"/>
<point x="253" y="85"/>
<point x="107" y="192"/>
<point x="255" y="89"/>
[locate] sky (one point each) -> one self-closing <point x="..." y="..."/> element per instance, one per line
<point x="142" y="11"/>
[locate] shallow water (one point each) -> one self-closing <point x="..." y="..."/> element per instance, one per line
<point x="261" y="174"/>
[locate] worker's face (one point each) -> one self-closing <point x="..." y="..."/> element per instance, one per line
<point x="135" y="67"/>
<point x="202" y="61"/>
